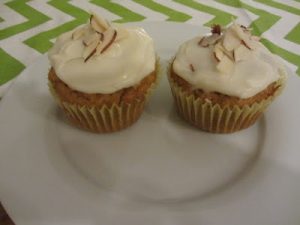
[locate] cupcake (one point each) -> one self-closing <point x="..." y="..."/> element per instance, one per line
<point x="102" y="74"/>
<point x="224" y="81"/>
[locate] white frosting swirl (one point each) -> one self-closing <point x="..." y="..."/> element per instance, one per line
<point x="246" y="78"/>
<point x="129" y="59"/>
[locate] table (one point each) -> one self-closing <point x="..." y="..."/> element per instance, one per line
<point x="4" y="218"/>
<point x="28" y="28"/>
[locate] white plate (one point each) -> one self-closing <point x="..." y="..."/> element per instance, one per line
<point x="159" y="171"/>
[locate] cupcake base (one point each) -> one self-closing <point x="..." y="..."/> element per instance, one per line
<point x="215" y="116"/>
<point x="103" y="113"/>
<point x="215" y="119"/>
<point x="104" y="119"/>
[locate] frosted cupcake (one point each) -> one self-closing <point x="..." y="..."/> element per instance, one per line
<point x="223" y="82"/>
<point x="101" y="74"/>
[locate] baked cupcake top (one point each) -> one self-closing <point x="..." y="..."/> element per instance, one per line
<point x="100" y="57"/>
<point x="229" y="61"/>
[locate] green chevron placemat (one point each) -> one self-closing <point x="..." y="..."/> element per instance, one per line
<point x="27" y="28"/>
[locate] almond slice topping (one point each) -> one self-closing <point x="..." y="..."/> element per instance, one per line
<point x="216" y="29"/>
<point x="122" y="34"/>
<point x="213" y="38"/>
<point x="255" y="38"/>
<point x="230" y="41"/>
<point x="192" y="68"/>
<point x="78" y="33"/>
<point x="98" y="23"/>
<point x="246" y="44"/>
<point x="215" y="56"/>
<point x="239" y="32"/>
<point x="102" y="22"/>
<point x="244" y="37"/>
<point x="203" y="42"/>
<point x="225" y="65"/>
<point x="89" y="39"/>
<point x="218" y="54"/>
<point x="109" y="37"/>
<point x="241" y="53"/>
<point x="90" y="50"/>
<point x="209" y="40"/>
<point x="246" y="29"/>
<point x="219" y="46"/>
<point x="243" y="27"/>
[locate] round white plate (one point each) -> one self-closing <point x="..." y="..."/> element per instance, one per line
<point x="159" y="171"/>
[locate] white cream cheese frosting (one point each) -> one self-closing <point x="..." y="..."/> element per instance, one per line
<point x="231" y="62"/>
<point x="102" y="58"/>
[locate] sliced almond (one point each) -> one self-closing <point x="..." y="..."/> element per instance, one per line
<point x="219" y="46"/>
<point x="203" y="42"/>
<point x="102" y="22"/>
<point x="98" y="23"/>
<point x="122" y="34"/>
<point x="90" y="55"/>
<point x="255" y="38"/>
<point x="101" y="36"/>
<point x="225" y="65"/>
<point x="78" y="33"/>
<point x="216" y="29"/>
<point x="215" y="56"/>
<point x="96" y="27"/>
<point x="246" y="29"/>
<point x="244" y="37"/>
<point x="192" y="68"/>
<point x="213" y="38"/>
<point x="91" y="38"/>
<point x="109" y="37"/>
<point x="90" y="50"/>
<point x="246" y="44"/>
<point x="230" y="41"/>
<point x="241" y="53"/>
<point x="243" y="27"/>
<point x="209" y="40"/>
<point x="218" y="54"/>
<point x="239" y="31"/>
<point x="229" y="54"/>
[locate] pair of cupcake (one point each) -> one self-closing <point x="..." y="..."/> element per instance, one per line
<point x="102" y="75"/>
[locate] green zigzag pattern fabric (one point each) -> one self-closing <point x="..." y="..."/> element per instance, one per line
<point x="28" y="28"/>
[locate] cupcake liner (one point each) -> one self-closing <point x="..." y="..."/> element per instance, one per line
<point x="212" y="117"/>
<point x="105" y="119"/>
